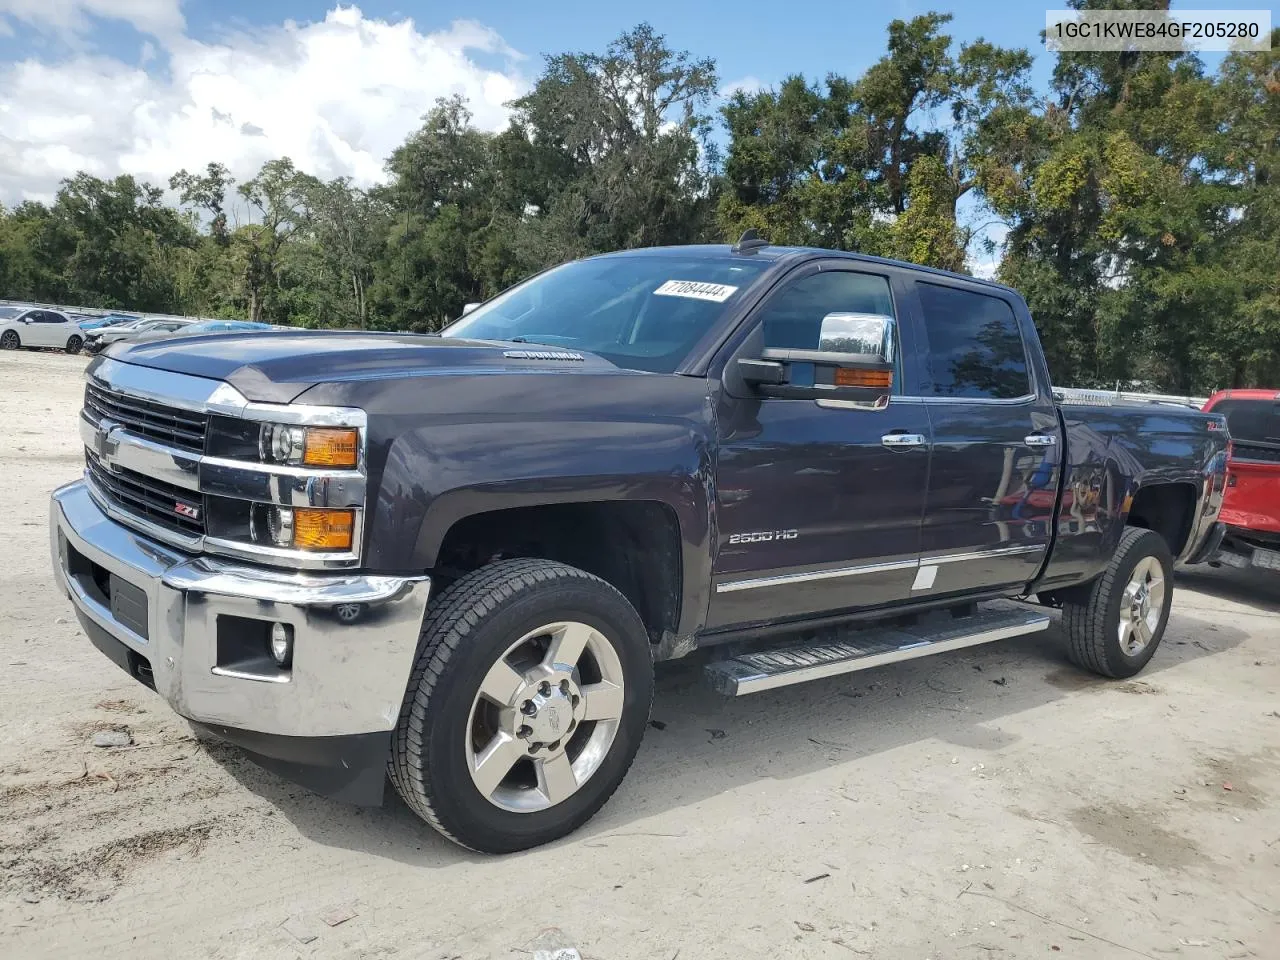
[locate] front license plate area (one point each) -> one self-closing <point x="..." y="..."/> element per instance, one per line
<point x="128" y="605"/>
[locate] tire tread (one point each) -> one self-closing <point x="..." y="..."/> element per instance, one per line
<point x="461" y="609"/>
<point x="1086" y="620"/>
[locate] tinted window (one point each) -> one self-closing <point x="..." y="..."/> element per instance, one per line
<point x="1251" y="421"/>
<point x="975" y="348"/>
<point x="793" y="318"/>
<point x="44" y="316"/>
<point x="641" y="312"/>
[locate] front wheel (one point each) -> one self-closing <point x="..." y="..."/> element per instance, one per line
<point x="1115" y="626"/>
<point x="9" y="340"/>
<point x="74" y="344"/>
<point x="527" y="704"/>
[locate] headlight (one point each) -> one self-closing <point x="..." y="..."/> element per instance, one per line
<point x="312" y="446"/>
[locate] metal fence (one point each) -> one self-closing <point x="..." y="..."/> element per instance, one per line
<point x="99" y="311"/>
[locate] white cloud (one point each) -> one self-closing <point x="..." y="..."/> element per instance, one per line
<point x="336" y="96"/>
<point x="162" y="18"/>
<point x="747" y="85"/>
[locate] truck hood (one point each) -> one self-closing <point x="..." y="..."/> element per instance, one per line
<point x="278" y="367"/>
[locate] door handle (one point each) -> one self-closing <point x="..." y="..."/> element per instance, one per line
<point x="902" y="441"/>
<point x="1040" y="440"/>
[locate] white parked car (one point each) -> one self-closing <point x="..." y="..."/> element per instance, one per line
<point x="39" y="327"/>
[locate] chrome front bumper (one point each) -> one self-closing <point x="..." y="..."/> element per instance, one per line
<point x="354" y="636"/>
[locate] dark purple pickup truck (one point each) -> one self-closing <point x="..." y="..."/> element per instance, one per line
<point x="455" y="559"/>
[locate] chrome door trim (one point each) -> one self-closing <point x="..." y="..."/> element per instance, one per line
<point x="982" y="554"/>
<point x="731" y="586"/>
<point x="996" y="401"/>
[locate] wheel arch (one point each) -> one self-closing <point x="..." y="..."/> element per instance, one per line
<point x="637" y="546"/>
<point x="1166" y="508"/>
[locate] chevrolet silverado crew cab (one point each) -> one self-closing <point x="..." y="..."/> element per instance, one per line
<point x="456" y="559"/>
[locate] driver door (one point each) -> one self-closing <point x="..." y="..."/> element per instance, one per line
<point x="818" y="504"/>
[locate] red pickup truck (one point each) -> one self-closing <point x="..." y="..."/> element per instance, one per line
<point x="1251" y="510"/>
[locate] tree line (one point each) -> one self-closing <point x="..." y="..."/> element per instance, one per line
<point x="1139" y="194"/>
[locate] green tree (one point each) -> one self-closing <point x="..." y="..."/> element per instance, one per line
<point x="880" y="163"/>
<point x="279" y="198"/>
<point x="1122" y="221"/>
<point x="625" y="139"/>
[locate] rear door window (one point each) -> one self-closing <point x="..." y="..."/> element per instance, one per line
<point x="975" y="346"/>
<point x="1254" y="427"/>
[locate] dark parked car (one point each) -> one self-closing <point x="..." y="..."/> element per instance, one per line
<point x="458" y="558"/>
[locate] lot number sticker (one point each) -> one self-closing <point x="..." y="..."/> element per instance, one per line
<point x="715" y="292"/>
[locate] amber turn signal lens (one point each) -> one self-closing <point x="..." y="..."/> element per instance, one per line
<point x="323" y="529"/>
<point x="326" y="447"/>
<point x="881" y="379"/>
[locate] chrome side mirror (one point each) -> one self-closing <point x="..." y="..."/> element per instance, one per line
<point x="852" y="366"/>
<point x="869" y="337"/>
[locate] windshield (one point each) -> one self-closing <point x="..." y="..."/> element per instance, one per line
<point x="639" y="312"/>
<point x="8" y="313"/>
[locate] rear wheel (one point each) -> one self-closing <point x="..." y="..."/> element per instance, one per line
<point x="9" y="340"/>
<point x="527" y="704"/>
<point x="1115" y="625"/>
<point x="75" y="343"/>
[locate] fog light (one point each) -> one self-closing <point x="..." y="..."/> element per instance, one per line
<point x="303" y="528"/>
<point x="281" y="643"/>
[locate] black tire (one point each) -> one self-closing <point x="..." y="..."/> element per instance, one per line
<point x="74" y="344"/>
<point x="10" y="340"/>
<point x="1091" y="618"/>
<point x="465" y="632"/>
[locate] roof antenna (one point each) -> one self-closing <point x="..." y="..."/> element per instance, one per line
<point x="749" y="242"/>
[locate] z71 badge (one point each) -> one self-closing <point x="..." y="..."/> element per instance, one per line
<point x="763" y="536"/>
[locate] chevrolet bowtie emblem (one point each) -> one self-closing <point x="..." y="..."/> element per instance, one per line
<point x="108" y="442"/>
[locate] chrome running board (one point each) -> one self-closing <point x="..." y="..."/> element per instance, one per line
<point x="782" y="665"/>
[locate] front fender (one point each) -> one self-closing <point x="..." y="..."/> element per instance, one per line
<point x="445" y="448"/>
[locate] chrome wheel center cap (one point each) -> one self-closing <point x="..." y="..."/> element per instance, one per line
<point x="548" y="713"/>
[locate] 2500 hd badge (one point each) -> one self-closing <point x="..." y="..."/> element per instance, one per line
<point x="763" y="536"/>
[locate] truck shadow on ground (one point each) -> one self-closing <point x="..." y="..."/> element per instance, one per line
<point x="701" y="744"/>
<point x="1257" y="588"/>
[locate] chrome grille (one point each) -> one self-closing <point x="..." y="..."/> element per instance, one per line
<point x="151" y="500"/>
<point x="155" y="421"/>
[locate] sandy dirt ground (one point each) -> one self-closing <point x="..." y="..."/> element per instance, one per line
<point x="990" y="803"/>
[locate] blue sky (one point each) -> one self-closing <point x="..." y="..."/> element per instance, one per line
<point x="150" y="86"/>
